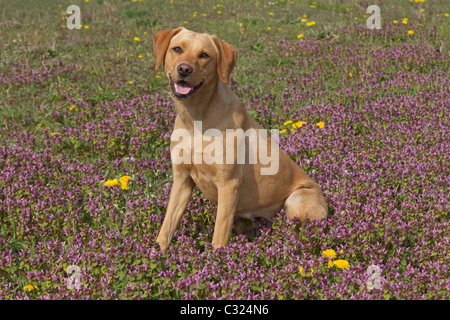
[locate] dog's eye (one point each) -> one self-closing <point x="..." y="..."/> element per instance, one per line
<point x="203" y="55"/>
<point x="177" y="49"/>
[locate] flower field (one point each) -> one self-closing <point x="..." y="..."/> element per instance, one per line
<point x="85" y="170"/>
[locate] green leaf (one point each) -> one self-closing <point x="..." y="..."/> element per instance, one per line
<point x="153" y="266"/>
<point x="201" y="286"/>
<point x="136" y="262"/>
<point x="122" y="274"/>
<point x="257" y="288"/>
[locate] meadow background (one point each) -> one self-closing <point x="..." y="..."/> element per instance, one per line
<point x="368" y="111"/>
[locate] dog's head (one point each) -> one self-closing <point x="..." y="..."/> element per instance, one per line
<point x="193" y="59"/>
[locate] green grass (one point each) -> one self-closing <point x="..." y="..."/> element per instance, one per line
<point x="105" y="65"/>
<point x="104" y="58"/>
<point x="34" y="36"/>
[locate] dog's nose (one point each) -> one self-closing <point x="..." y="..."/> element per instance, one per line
<point x="184" y="70"/>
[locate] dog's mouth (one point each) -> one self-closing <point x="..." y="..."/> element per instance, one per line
<point x="182" y="89"/>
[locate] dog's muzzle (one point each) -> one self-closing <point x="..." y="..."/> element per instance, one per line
<point x="182" y="89"/>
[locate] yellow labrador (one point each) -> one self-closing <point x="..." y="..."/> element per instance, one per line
<point x="219" y="147"/>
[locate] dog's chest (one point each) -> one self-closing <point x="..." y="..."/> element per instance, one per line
<point x="204" y="182"/>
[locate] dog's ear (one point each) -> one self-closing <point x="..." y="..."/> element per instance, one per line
<point x="161" y="42"/>
<point x="226" y="58"/>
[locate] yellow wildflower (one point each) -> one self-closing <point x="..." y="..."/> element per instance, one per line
<point x="54" y="133"/>
<point x="140" y="56"/>
<point x="125" y="179"/>
<point x="123" y="182"/>
<point x="341" y="264"/>
<point x="410" y="32"/>
<point x="330" y="253"/>
<point x="305" y="275"/>
<point x="301" y="271"/>
<point x="136" y="39"/>
<point x="298" y="124"/>
<point x="300" y="35"/>
<point x="321" y="124"/>
<point x="309" y="24"/>
<point x="111" y="183"/>
<point x="72" y="107"/>
<point x="30" y="287"/>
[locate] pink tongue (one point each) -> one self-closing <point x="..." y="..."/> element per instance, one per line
<point x="183" y="88"/>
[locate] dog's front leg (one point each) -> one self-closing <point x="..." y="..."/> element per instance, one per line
<point x="227" y="201"/>
<point x="179" y="197"/>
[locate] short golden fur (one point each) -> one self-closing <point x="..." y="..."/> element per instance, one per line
<point x="203" y="63"/>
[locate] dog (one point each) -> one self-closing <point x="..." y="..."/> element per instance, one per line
<point x="198" y="67"/>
